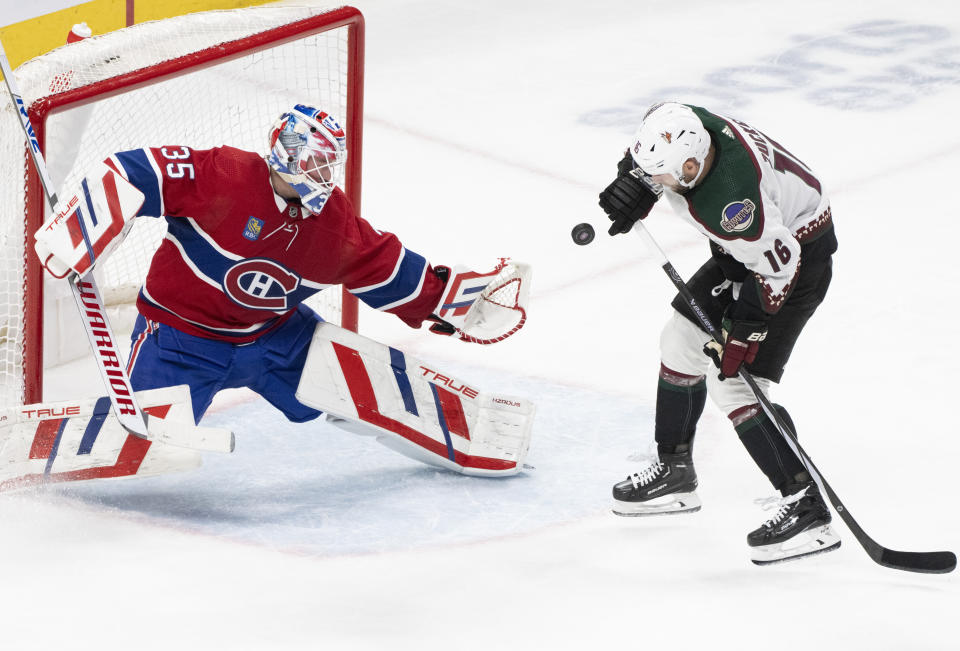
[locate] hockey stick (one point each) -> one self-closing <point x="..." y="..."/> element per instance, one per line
<point x="86" y="294"/>
<point x="928" y="562"/>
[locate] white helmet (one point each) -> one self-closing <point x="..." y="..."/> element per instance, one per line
<point x="670" y="134"/>
<point x="308" y="149"/>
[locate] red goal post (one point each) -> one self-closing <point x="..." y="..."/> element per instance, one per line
<point x="203" y="80"/>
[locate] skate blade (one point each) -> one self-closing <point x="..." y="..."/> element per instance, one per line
<point x="674" y="505"/>
<point x="818" y="541"/>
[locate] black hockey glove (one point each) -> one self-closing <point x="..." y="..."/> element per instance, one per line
<point x="742" y="343"/>
<point x="628" y="199"/>
<point x="626" y="164"/>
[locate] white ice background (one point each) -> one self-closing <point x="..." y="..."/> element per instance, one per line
<point x="490" y="129"/>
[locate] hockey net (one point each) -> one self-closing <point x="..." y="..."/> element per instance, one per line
<point x="202" y="80"/>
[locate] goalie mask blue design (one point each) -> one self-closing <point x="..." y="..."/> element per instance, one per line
<point x="308" y="149"/>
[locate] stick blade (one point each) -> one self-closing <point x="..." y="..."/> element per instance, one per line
<point x="925" y="562"/>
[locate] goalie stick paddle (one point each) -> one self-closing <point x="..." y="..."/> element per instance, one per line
<point x="926" y="562"/>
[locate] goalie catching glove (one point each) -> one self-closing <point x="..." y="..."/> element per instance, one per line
<point x="629" y="199"/>
<point x="88" y="223"/>
<point x="483" y="308"/>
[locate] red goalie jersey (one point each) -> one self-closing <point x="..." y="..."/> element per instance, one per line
<point x="237" y="259"/>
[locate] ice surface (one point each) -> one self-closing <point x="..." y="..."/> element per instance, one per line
<point x="490" y="128"/>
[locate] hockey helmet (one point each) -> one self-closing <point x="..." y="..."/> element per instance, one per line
<point x="308" y="149"/>
<point x="669" y="135"/>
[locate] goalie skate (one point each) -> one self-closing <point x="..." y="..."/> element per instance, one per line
<point x="666" y="486"/>
<point x="799" y="528"/>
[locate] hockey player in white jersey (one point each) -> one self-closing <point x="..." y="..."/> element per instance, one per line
<point x="771" y="238"/>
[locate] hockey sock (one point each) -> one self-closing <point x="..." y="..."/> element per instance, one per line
<point x="680" y="401"/>
<point x="767" y="446"/>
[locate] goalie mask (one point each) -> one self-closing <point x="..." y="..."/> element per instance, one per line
<point x="669" y="135"/>
<point x="308" y="151"/>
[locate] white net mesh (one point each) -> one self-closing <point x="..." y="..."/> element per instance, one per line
<point x="231" y="102"/>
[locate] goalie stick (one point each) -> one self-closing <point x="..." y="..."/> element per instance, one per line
<point x="927" y="562"/>
<point x="87" y="295"/>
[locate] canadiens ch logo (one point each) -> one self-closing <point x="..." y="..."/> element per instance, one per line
<point x="253" y="228"/>
<point x="260" y="284"/>
<point x="737" y="216"/>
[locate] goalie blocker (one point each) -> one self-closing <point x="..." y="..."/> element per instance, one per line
<point x="88" y="224"/>
<point x="412" y="407"/>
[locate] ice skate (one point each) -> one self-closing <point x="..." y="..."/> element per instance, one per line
<point x="800" y="527"/>
<point x="666" y="486"/>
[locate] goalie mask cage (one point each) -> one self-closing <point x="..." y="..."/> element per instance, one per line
<point x="201" y="80"/>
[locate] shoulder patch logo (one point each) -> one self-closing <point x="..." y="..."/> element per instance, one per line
<point x="737" y="216"/>
<point x="253" y="228"/>
<point x="728" y="132"/>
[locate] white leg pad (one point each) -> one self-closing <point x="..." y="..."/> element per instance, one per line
<point x="412" y="407"/>
<point x="82" y="439"/>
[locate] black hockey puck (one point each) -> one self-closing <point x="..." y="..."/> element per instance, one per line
<point x="583" y="234"/>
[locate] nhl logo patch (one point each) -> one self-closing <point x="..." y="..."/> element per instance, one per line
<point x="738" y="216"/>
<point x="253" y="228"/>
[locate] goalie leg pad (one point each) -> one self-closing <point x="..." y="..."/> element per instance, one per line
<point x="396" y="443"/>
<point x="412" y="407"/>
<point x="82" y="439"/>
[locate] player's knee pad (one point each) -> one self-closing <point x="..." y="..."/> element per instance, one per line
<point x="681" y="346"/>
<point x="733" y="393"/>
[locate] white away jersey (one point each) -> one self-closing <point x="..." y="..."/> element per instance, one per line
<point x="758" y="202"/>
